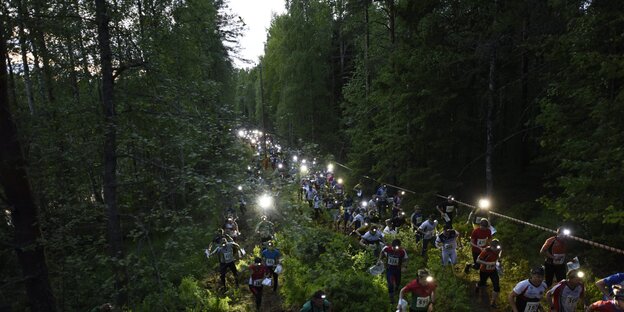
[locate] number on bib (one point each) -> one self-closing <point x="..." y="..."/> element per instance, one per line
<point x="481" y="242"/>
<point x="490" y="267"/>
<point x="228" y="256"/>
<point x="257" y="283"/>
<point x="450" y="208"/>
<point x="558" y="258"/>
<point x="393" y="260"/>
<point x="448" y="246"/>
<point x="531" y="307"/>
<point x="571" y="301"/>
<point x="422" y="302"/>
<point x="270" y="262"/>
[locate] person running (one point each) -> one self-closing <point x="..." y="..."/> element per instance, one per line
<point x="423" y="293"/>
<point x="231" y="228"/>
<point x="606" y="284"/>
<point x="265" y="229"/>
<point x="427" y="230"/>
<point x="565" y="296"/>
<point x="416" y="219"/>
<point x="479" y="239"/>
<point x="219" y="235"/>
<point x="390" y="229"/>
<point x="447" y="210"/>
<point x="487" y="260"/>
<point x="317" y="206"/>
<point x="372" y="237"/>
<point x="526" y="295"/>
<point x="554" y="249"/>
<point x="358" y="220"/>
<point x="271" y="257"/>
<point x="614" y="305"/>
<point x="226" y="259"/>
<point x="318" y="303"/>
<point x="395" y="256"/>
<point x="359" y="190"/>
<point x="258" y="273"/>
<point x="447" y="242"/>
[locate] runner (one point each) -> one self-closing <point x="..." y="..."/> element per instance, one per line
<point x="231" y="228"/>
<point x="423" y="292"/>
<point x="265" y="229"/>
<point x="358" y="189"/>
<point x="447" y="242"/>
<point x="614" y="305"/>
<point x="372" y="237"/>
<point x="565" y="296"/>
<point x="417" y="219"/>
<point x="317" y="206"/>
<point x="479" y="239"/>
<point x="526" y="295"/>
<point x="606" y="284"/>
<point x="226" y="259"/>
<point x="487" y="259"/>
<point x="447" y="210"/>
<point x="427" y="230"/>
<point x="219" y="235"/>
<point x="258" y="273"/>
<point x="271" y="257"/>
<point x="395" y="257"/>
<point x="318" y="303"/>
<point x="554" y="249"/>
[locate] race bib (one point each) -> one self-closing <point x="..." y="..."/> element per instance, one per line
<point x="482" y="242"/>
<point x="490" y="267"/>
<point x="558" y="258"/>
<point x="449" y="209"/>
<point x="228" y="256"/>
<point x="419" y="220"/>
<point x="270" y="262"/>
<point x="422" y="302"/>
<point x="448" y="246"/>
<point x="570" y="301"/>
<point x="531" y="307"/>
<point x="257" y="283"/>
<point x="393" y="260"/>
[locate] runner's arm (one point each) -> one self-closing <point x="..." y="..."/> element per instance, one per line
<point x="512" y="300"/>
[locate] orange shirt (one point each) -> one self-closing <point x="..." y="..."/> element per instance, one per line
<point x="488" y="255"/>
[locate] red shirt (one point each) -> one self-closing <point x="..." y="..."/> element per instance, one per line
<point x="480" y="237"/>
<point x="257" y="271"/>
<point x="488" y="255"/>
<point x="605" y="306"/>
<point x="557" y="248"/>
<point x="394" y="257"/>
<point x="419" y="290"/>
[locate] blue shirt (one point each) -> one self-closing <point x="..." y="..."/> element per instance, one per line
<point x="271" y="254"/>
<point x="615" y="279"/>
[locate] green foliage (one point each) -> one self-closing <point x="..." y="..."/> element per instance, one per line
<point x="188" y="296"/>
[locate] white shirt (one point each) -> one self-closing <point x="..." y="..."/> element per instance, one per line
<point x="368" y="236"/>
<point x="387" y="230"/>
<point x="428" y="228"/>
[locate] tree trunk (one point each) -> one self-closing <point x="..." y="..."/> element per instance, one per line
<point x="22" y="40"/>
<point x="110" y="154"/>
<point x="19" y="198"/>
<point x="366" y="48"/>
<point x="489" y="123"/>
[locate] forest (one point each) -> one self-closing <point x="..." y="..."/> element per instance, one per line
<point x="120" y="153"/>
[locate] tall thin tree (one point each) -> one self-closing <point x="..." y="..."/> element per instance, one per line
<point x="110" y="153"/>
<point x="19" y="198"/>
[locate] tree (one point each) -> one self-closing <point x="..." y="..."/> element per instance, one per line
<point x="19" y="198"/>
